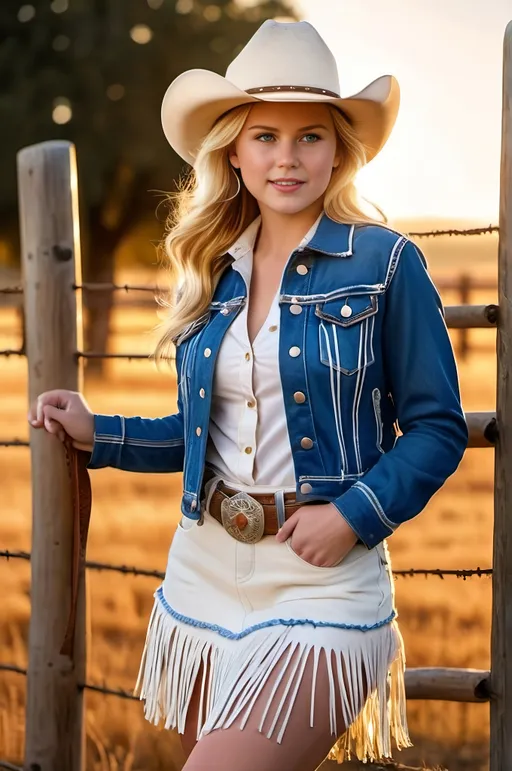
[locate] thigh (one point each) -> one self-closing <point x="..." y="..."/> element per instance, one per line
<point x="302" y="747"/>
<point x="189" y="736"/>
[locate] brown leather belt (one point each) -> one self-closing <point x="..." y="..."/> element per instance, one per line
<point x="242" y="511"/>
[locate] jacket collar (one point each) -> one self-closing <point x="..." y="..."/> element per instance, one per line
<point x="333" y="238"/>
<point x="326" y="236"/>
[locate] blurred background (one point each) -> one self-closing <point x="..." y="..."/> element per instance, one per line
<point x="94" y="72"/>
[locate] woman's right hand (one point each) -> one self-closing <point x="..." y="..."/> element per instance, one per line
<point x="63" y="412"/>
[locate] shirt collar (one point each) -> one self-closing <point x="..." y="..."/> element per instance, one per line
<point x="247" y="239"/>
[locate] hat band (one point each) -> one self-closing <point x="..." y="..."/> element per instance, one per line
<point x="308" y="89"/>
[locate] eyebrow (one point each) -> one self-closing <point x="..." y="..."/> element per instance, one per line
<point x="304" y="128"/>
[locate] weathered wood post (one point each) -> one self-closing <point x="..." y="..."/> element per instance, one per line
<point x="48" y="201"/>
<point x="464" y="289"/>
<point x="501" y="642"/>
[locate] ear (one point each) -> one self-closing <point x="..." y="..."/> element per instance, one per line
<point x="233" y="159"/>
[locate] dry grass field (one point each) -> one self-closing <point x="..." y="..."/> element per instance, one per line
<point x="444" y="622"/>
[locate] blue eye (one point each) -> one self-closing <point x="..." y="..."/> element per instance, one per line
<point x="315" y="136"/>
<point x="260" y="136"/>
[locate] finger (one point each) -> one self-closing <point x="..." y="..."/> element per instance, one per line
<point x="32" y="414"/>
<point x="51" y="424"/>
<point x="289" y="526"/>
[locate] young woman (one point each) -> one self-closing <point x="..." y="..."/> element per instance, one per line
<point x="304" y="334"/>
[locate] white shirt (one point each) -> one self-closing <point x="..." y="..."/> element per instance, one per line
<point x="248" y="443"/>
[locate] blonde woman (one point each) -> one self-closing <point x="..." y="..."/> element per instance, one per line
<point x="304" y="332"/>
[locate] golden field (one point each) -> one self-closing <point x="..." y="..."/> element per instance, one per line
<point x="444" y="622"/>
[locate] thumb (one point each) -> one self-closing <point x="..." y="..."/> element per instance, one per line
<point x="289" y="526"/>
<point x="52" y="419"/>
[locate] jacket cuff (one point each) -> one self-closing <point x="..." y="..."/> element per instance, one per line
<point x="363" y="512"/>
<point x="108" y="441"/>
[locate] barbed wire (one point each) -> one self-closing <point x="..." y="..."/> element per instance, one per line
<point x="153" y="573"/>
<point x="9" y="766"/>
<point x="14" y="443"/>
<point x="454" y="232"/>
<point x="105" y="689"/>
<point x="13" y="352"/>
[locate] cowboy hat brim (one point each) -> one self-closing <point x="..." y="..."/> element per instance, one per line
<point x="197" y="98"/>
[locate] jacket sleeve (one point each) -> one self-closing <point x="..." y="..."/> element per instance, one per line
<point x="422" y="379"/>
<point x="151" y="445"/>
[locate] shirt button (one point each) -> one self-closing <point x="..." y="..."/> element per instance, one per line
<point x="294" y="351"/>
<point x="207" y="352"/>
<point x="299" y="397"/>
<point x="302" y="270"/>
<point x="193" y="506"/>
<point x="248" y="450"/>
<point x="202" y="393"/>
<point x="247" y="356"/>
<point x="225" y="311"/>
<point x="306" y="488"/>
<point x="251" y="404"/>
<point x="306" y="443"/>
<point x="272" y="328"/>
<point x="295" y="309"/>
<point x="199" y="430"/>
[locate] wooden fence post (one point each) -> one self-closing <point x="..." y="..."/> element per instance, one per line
<point x="501" y="660"/>
<point x="465" y="290"/>
<point x="47" y="182"/>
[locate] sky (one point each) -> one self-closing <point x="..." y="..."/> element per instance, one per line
<point x="443" y="157"/>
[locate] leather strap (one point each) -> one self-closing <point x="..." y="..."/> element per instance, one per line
<point x="267" y="500"/>
<point x="77" y="461"/>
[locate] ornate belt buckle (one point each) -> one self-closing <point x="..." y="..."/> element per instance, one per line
<point x="243" y="517"/>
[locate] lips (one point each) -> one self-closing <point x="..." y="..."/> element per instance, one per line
<point x="286" y="185"/>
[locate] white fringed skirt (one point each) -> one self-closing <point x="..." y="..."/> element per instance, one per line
<point x="247" y="609"/>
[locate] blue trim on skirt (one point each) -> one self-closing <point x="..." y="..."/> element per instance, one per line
<point x="273" y="622"/>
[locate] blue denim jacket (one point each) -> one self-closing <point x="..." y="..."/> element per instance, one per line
<point x="363" y="349"/>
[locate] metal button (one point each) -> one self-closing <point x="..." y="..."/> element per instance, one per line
<point x="225" y="311"/>
<point x="199" y="430"/>
<point x="202" y="393"/>
<point x="247" y="356"/>
<point x="306" y="488"/>
<point x="193" y="506"/>
<point x="272" y="328"/>
<point x="295" y="309"/>
<point x="251" y="404"/>
<point x="299" y="397"/>
<point x="346" y="311"/>
<point x="294" y="351"/>
<point x="302" y="269"/>
<point x="248" y="450"/>
<point x="207" y="352"/>
<point x="306" y="443"/>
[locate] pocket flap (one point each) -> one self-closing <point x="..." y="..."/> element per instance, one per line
<point x="346" y="311"/>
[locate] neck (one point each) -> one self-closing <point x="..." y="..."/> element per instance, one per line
<point x="280" y="234"/>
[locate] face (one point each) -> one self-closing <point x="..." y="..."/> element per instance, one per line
<point x="286" y="152"/>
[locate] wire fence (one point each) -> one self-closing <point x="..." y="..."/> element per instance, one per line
<point x="153" y="573"/>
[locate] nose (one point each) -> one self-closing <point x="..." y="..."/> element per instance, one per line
<point x="287" y="155"/>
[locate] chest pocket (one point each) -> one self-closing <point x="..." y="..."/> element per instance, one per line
<point x="346" y="332"/>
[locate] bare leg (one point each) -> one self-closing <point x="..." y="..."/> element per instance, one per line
<point x="302" y="748"/>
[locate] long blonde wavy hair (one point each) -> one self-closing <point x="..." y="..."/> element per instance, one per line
<point x="208" y="216"/>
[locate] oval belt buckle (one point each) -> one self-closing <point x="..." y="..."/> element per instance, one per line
<point x="243" y="517"/>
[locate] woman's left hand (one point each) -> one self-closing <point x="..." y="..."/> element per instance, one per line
<point x="320" y="535"/>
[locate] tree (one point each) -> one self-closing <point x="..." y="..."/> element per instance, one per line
<point x="94" y="72"/>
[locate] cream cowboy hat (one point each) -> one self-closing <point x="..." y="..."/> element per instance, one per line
<point x="282" y="62"/>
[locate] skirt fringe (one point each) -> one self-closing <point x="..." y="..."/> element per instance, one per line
<point x="235" y="671"/>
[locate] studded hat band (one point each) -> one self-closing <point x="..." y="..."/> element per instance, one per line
<point x="307" y="89"/>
